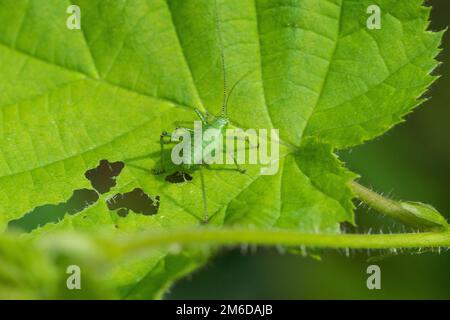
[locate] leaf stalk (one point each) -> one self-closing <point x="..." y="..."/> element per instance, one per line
<point x="233" y="236"/>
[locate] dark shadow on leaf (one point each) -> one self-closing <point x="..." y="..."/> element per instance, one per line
<point x="137" y="201"/>
<point x="179" y="177"/>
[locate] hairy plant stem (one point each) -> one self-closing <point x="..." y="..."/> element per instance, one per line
<point x="376" y="201"/>
<point x="232" y="236"/>
<point x="414" y="214"/>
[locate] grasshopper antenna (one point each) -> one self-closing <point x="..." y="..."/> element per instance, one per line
<point x="235" y="85"/>
<point x="222" y="57"/>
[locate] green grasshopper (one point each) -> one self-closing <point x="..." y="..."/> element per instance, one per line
<point x="198" y="159"/>
<point x="219" y="124"/>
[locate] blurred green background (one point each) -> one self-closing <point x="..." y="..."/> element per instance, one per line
<point x="411" y="162"/>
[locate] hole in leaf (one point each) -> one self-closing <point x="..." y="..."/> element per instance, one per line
<point x="122" y="212"/>
<point x="137" y="201"/>
<point x="38" y="217"/>
<point x="103" y="177"/>
<point x="80" y="200"/>
<point x="178" y="177"/>
<point x="53" y="213"/>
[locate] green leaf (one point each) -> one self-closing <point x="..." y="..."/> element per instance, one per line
<point x="70" y="98"/>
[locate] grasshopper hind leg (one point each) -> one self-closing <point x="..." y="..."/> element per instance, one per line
<point x="162" y="142"/>
<point x="205" y="205"/>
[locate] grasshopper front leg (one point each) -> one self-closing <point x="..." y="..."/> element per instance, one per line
<point x="249" y="147"/>
<point x="238" y="167"/>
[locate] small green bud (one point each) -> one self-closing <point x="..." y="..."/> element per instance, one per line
<point x="422" y="216"/>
